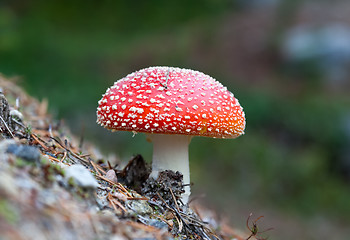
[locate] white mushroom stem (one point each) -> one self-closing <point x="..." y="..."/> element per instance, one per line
<point x="170" y="152"/>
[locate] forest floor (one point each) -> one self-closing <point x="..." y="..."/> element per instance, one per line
<point x="53" y="186"/>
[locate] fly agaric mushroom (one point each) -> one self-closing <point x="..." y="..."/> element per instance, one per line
<point x="171" y="105"/>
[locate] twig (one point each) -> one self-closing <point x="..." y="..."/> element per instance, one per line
<point x="8" y="129"/>
<point x="113" y="204"/>
<point x="137" y="198"/>
<point x="40" y="142"/>
<point x="164" y="220"/>
<point x="113" y="201"/>
<point x="173" y="210"/>
<point x="100" y="169"/>
<point x="64" y="156"/>
<point x="74" y="154"/>
<point x="52" y="158"/>
<point x="96" y="170"/>
<point x="172" y="194"/>
<point x="124" y="189"/>
<point x="118" y="185"/>
<point x="180" y="223"/>
<point x="18" y="123"/>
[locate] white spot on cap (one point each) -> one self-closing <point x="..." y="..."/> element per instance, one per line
<point x="154" y="110"/>
<point x="160" y="96"/>
<point x="178" y="109"/>
<point x="124" y="107"/>
<point x="135" y="109"/>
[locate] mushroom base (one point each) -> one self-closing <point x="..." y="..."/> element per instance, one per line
<point x="170" y="152"/>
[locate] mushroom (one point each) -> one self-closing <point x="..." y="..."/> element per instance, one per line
<point x="171" y="105"/>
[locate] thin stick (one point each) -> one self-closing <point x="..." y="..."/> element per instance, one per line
<point x="100" y="169"/>
<point x="64" y="156"/>
<point x="39" y="142"/>
<point x="8" y="129"/>
<point x="124" y="189"/>
<point x="172" y="194"/>
<point x="96" y="170"/>
<point x="137" y="198"/>
<point x="115" y="201"/>
<point x="118" y="185"/>
<point x="112" y="203"/>
<point x="52" y="158"/>
<point x="74" y="154"/>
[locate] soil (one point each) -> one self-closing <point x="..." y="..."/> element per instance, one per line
<point x="51" y="188"/>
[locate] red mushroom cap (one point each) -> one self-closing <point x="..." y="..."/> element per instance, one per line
<point x="171" y="100"/>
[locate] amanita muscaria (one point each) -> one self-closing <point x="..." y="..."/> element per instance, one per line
<point x="171" y="105"/>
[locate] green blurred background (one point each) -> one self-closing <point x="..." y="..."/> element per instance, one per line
<point x="286" y="61"/>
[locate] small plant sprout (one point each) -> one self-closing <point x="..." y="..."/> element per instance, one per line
<point x="254" y="230"/>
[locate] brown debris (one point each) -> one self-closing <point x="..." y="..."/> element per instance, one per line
<point x="135" y="173"/>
